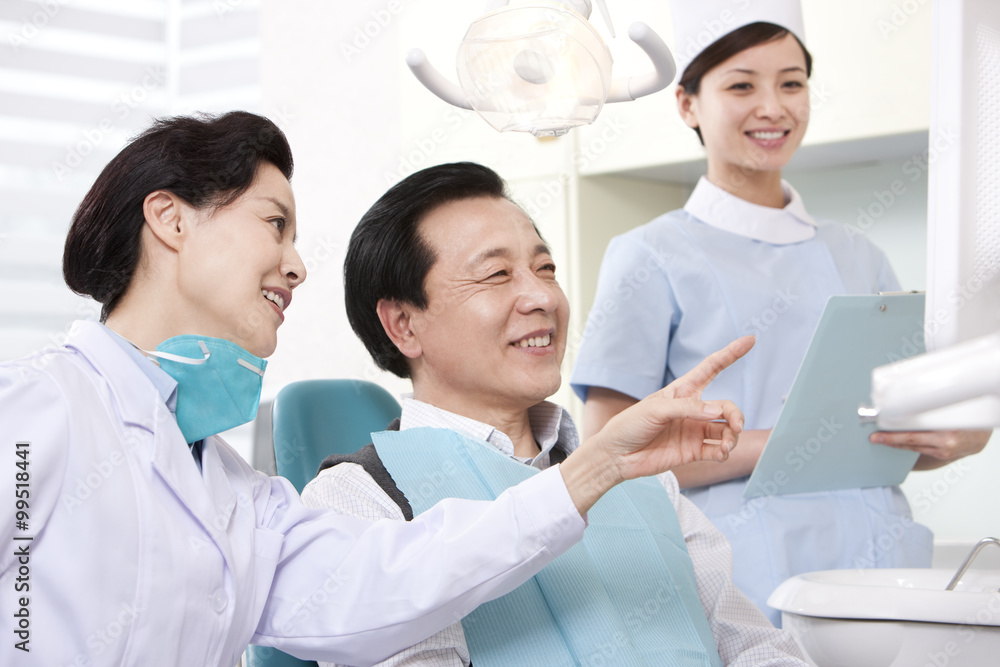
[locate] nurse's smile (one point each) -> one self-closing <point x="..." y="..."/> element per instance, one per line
<point x="770" y="139"/>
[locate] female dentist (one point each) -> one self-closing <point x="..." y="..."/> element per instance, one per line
<point x="139" y="537"/>
<point x="743" y="246"/>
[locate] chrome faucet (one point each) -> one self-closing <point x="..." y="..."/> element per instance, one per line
<point x="968" y="560"/>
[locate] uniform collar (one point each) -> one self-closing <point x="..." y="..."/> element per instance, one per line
<point x="139" y="400"/>
<point x="550" y="424"/>
<point x="165" y="385"/>
<point x="722" y="210"/>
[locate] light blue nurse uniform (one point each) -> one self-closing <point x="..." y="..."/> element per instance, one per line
<point x="675" y="290"/>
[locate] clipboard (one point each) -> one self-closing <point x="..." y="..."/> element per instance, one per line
<point x="819" y="442"/>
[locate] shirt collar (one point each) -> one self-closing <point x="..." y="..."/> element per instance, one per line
<point x="165" y="385"/>
<point x="550" y="424"/>
<point x="718" y="208"/>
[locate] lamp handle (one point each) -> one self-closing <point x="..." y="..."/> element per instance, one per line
<point x="434" y="81"/>
<point x="631" y="88"/>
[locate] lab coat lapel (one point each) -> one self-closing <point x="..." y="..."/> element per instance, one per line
<point x="209" y="499"/>
<point x="220" y="490"/>
<point x="136" y="400"/>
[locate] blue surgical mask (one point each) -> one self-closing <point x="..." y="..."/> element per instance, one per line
<point x="218" y="383"/>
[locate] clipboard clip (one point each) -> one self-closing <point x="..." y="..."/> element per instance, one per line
<point x="867" y="414"/>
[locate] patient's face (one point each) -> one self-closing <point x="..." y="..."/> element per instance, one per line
<point x="494" y="332"/>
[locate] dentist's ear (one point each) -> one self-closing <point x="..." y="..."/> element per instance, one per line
<point x="167" y="217"/>
<point x="395" y="319"/>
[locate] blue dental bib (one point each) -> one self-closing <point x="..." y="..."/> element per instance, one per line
<point x="626" y="595"/>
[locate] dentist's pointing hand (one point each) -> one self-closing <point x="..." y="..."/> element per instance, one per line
<point x="663" y="431"/>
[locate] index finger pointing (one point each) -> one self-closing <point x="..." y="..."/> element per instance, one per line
<point x="701" y="375"/>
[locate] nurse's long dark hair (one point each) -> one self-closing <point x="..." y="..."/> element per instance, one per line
<point x="728" y="46"/>
<point x="208" y="161"/>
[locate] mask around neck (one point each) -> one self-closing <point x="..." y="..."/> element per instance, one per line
<point x="218" y="383"/>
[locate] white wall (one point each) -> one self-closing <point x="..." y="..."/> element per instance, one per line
<point x="885" y="201"/>
<point x="342" y="116"/>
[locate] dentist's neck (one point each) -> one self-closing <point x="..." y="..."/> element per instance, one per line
<point x="147" y="314"/>
<point x="138" y="325"/>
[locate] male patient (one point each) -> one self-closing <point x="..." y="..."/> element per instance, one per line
<point x="449" y="283"/>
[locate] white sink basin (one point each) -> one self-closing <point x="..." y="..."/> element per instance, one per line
<point x="893" y="618"/>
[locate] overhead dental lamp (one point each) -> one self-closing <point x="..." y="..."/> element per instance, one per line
<point x="541" y="67"/>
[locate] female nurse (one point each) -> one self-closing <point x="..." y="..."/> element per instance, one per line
<point x="745" y="257"/>
<point x="139" y="537"/>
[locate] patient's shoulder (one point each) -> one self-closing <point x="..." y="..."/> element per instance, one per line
<point x="357" y="484"/>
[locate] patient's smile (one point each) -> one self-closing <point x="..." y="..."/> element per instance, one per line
<point x="536" y="341"/>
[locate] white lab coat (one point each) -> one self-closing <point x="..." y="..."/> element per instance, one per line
<point x="138" y="558"/>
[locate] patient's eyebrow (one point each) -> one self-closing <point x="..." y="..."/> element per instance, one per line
<point x="490" y="253"/>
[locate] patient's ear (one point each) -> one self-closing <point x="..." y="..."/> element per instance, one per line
<point x="395" y="318"/>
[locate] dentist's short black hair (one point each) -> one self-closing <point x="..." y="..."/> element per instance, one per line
<point x="729" y="45"/>
<point x="387" y="258"/>
<point x="208" y="161"/>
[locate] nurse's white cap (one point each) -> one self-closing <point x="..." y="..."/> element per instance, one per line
<point x="699" y="23"/>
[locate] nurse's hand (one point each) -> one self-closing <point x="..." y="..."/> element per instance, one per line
<point x="665" y="430"/>
<point x="936" y="448"/>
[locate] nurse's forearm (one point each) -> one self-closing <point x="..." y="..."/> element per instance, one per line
<point x="603" y="404"/>
<point x="740" y="463"/>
